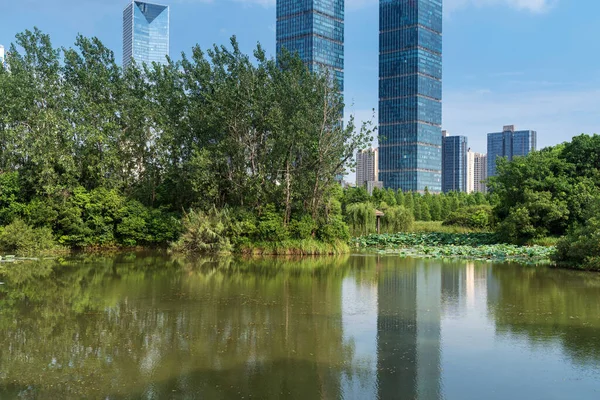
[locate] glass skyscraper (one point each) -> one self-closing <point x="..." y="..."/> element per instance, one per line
<point x="410" y="94"/>
<point x="509" y="143"/>
<point x="315" y="30"/>
<point x="454" y="163"/>
<point x="145" y="33"/>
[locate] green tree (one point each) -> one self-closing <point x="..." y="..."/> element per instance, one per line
<point x="400" y="198"/>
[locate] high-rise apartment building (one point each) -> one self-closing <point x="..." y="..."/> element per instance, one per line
<point x="509" y="143"/>
<point x="315" y="30"/>
<point x="410" y="94"/>
<point x="145" y="33"/>
<point x="476" y="172"/>
<point x="454" y="163"/>
<point x="367" y="168"/>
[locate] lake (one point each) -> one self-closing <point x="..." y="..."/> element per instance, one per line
<point x="151" y="326"/>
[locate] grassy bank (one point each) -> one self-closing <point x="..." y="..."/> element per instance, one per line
<point x="476" y="246"/>
<point x="305" y="247"/>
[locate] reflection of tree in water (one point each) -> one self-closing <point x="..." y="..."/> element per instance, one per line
<point x="154" y="327"/>
<point x="547" y="305"/>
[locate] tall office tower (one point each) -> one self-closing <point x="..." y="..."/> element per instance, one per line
<point x="476" y="172"/>
<point x="145" y="33"/>
<point x="367" y="166"/>
<point x="410" y="94"/>
<point x="509" y="143"/>
<point x="454" y="163"/>
<point x="315" y="30"/>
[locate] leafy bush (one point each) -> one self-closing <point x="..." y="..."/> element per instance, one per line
<point x="133" y="228"/>
<point x="518" y="227"/>
<point x="302" y="228"/>
<point x="581" y="247"/>
<point x="241" y="226"/>
<point x="102" y="217"/>
<point x="10" y="207"/>
<point x="203" y="233"/>
<point x="477" y="217"/>
<point x="270" y="226"/>
<point x="22" y="239"/>
<point x="333" y="230"/>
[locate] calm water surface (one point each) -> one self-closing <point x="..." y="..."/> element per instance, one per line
<point x="146" y="326"/>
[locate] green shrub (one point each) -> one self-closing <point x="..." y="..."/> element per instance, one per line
<point x="203" y="233"/>
<point x="69" y="226"/>
<point x="477" y="217"/>
<point x="270" y="226"/>
<point x="39" y="213"/>
<point x="581" y="247"/>
<point x="133" y="227"/>
<point x="10" y="206"/>
<point x="302" y="228"/>
<point x="21" y="239"/>
<point x="240" y="226"/>
<point x="334" y="230"/>
<point x="518" y="227"/>
<point x="163" y="227"/>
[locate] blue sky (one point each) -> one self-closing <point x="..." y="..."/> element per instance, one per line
<point x="531" y="63"/>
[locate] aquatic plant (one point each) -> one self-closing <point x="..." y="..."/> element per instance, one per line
<point x="480" y="246"/>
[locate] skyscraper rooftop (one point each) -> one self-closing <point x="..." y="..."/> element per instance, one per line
<point x="145" y="33"/>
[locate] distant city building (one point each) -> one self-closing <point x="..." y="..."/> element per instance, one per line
<point x="410" y="94"/>
<point x="372" y="185"/>
<point x="367" y="166"/>
<point x="509" y="143"/>
<point x="476" y="172"/>
<point x="315" y="30"/>
<point x="145" y="33"/>
<point x="1" y="54"/>
<point x="454" y="163"/>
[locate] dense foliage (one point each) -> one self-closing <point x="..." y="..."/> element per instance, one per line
<point x="548" y="191"/>
<point x="19" y="238"/>
<point x="580" y="248"/>
<point x="477" y="217"/>
<point x="401" y="209"/>
<point x="106" y="156"/>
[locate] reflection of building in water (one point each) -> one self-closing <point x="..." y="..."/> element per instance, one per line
<point x="408" y="331"/>
<point x="461" y="285"/>
<point x="453" y="288"/>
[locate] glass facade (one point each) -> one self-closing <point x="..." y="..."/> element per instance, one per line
<point x="145" y="33"/>
<point x="315" y="30"/>
<point x="509" y="143"/>
<point x="410" y="94"/>
<point x="454" y="164"/>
